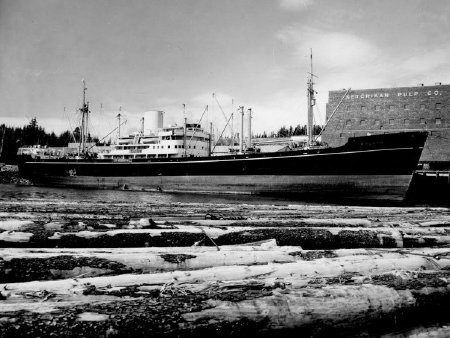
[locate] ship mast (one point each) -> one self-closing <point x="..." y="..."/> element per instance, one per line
<point x="249" y="127"/>
<point x="232" y="122"/>
<point x="311" y="104"/>
<point x="118" y="117"/>
<point x="241" y="144"/>
<point x="84" y="122"/>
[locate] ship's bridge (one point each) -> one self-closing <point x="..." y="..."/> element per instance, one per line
<point x="163" y="143"/>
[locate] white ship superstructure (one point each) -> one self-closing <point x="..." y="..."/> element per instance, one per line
<point x="175" y="141"/>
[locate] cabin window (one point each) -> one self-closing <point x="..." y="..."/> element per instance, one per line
<point x="168" y="147"/>
<point x="348" y="122"/>
<point x="406" y="106"/>
<point x="341" y="135"/>
<point x="438" y="105"/>
<point x="422" y="106"/>
<point x="362" y="122"/>
<point x="377" y="122"/>
<point x="377" y="107"/>
<point x="438" y="120"/>
<point x="363" y="108"/>
<point x="189" y="147"/>
<point x="153" y="147"/>
<point x="391" y="121"/>
<point x="422" y="120"/>
<point x="162" y="147"/>
<point x="194" y="147"/>
<point x="406" y="121"/>
<point x="391" y="107"/>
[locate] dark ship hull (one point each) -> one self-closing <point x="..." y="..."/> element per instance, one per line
<point x="370" y="167"/>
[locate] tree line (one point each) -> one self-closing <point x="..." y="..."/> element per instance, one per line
<point x="12" y="138"/>
<point x="289" y="131"/>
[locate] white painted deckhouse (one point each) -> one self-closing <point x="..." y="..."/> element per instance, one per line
<point x="174" y="141"/>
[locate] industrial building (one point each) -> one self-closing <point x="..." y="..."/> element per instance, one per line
<point x="387" y="110"/>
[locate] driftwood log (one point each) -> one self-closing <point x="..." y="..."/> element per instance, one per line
<point x="301" y="272"/>
<point x="307" y="238"/>
<point x="20" y="265"/>
<point x="332" y="307"/>
<point x="337" y="309"/>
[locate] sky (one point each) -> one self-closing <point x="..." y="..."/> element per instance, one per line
<point x="141" y="55"/>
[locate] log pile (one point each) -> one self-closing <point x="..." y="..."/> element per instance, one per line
<point x="113" y="269"/>
<point x="9" y="174"/>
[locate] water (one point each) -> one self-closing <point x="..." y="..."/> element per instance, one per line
<point x="9" y="192"/>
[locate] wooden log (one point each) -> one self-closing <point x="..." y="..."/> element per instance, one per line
<point x="380" y="304"/>
<point x="68" y="210"/>
<point x="435" y="331"/>
<point x="20" y="265"/>
<point x="417" y="241"/>
<point x="294" y="222"/>
<point x="308" y="238"/>
<point x="336" y="309"/>
<point x="299" y="271"/>
<point x="25" y="266"/>
<point x="188" y="235"/>
<point x="214" y="225"/>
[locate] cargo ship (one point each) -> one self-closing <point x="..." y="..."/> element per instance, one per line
<point x="180" y="159"/>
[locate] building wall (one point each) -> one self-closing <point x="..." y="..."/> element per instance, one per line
<point x="387" y="110"/>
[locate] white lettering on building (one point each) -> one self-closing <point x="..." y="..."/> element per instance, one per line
<point x="399" y="94"/>
<point x="367" y="96"/>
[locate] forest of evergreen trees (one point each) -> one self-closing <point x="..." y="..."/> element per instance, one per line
<point x="289" y="131"/>
<point x="12" y="138"/>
